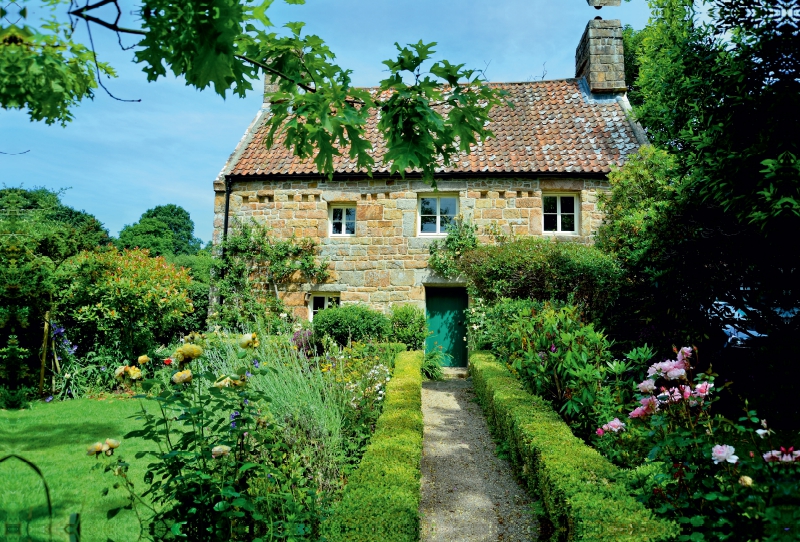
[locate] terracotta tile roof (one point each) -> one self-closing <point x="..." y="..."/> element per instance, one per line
<point x="555" y="126"/>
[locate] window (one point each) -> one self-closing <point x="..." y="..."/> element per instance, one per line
<point x="343" y="220"/>
<point x="322" y="302"/>
<point x="560" y="213"/>
<point x="436" y="213"/>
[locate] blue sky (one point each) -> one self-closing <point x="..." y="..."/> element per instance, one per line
<point x="119" y="159"/>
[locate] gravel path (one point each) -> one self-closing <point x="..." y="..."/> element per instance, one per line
<point x="468" y="493"/>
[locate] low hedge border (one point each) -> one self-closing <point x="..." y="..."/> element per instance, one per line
<point x="576" y="485"/>
<point x="381" y="499"/>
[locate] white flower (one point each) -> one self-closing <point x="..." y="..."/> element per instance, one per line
<point x="283" y="315"/>
<point x="675" y="374"/>
<point x="762" y="432"/>
<point x="722" y="452"/>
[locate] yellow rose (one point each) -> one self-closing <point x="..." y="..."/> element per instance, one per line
<point x="95" y="449"/>
<point x="119" y="372"/>
<point x="224" y="383"/>
<point x="746" y="481"/>
<point x="134" y="373"/>
<point x="143" y="359"/>
<point x="182" y="377"/>
<point x="112" y="443"/>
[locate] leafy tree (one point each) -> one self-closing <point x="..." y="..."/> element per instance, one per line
<point x="428" y="114"/>
<point x="39" y="234"/>
<point x="707" y="240"/>
<point x="164" y="229"/>
<point x="149" y="233"/>
<point x="180" y="224"/>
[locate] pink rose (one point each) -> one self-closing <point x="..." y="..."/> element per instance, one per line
<point x="647" y="386"/>
<point x="600" y="432"/>
<point x="722" y="452"/>
<point x="614" y="425"/>
<point x="703" y="389"/>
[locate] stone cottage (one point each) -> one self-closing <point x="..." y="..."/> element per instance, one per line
<point x="540" y="176"/>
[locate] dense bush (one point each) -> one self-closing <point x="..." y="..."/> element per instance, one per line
<point x="124" y="301"/>
<point x="487" y="323"/>
<point x="720" y="480"/>
<point x="199" y="267"/>
<point x="559" y="358"/>
<point x="543" y="269"/>
<point x="580" y="498"/>
<point x="381" y="500"/>
<point x="409" y="326"/>
<point x="351" y="323"/>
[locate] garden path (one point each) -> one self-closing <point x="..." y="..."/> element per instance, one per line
<point x="468" y="493"/>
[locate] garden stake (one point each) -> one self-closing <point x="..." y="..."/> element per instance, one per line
<point x="44" y="351"/>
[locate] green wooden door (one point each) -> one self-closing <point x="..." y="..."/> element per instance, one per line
<point x="446" y="322"/>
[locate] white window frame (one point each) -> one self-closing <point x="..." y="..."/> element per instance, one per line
<point x="440" y="232"/>
<point x="327" y="303"/>
<point x="342" y="206"/>
<point x="576" y="213"/>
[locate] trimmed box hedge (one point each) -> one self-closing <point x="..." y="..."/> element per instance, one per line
<point x="381" y="499"/>
<point x="577" y="486"/>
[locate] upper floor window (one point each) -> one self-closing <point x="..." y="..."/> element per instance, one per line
<point x="343" y="220"/>
<point x="560" y="213"/>
<point x="436" y="213"/>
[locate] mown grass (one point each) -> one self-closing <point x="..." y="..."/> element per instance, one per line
<point x="54" y="437"/>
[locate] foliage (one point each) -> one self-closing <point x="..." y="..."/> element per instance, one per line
<point x="429" y="111"/>
<point x="381" y="499"/>
<point x="39" y="235"/>
<point x="220" y="471"/>
<point x="715" y="95"/>
<point x="126" y="300"/>
<point x="580" y="496"/>
<point x="487" y="323"/>
<point x="249" y="268"/>
<point x="43" y="70"/>
<point x="559" y="358"/>
<point x="181" y="225"/>
<point x="199" y="267"/>
<point x="351" y="323"/>
<point x="149" y="234"/>
<point x="432" y="364"/>
<point x="543" y="269"/>
<point x="445" y="254"/>
<point x="408" y="326"/>
<point x="696" y="479"/>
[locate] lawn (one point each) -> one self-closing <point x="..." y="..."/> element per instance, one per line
<point x="54" y="437"/>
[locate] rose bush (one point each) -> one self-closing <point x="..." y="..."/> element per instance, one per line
<point x="712" y="475"/>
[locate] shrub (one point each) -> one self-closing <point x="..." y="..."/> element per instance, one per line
<point x="409" y="326"/>
<point x="432" y="364"/>
<point x="446" y="253"/>
<point x="719" y="479"/>
<point x="543" y="269"/>
<point x="559" y="358"/>
<point x="381" y="500"/>
<point x="579" y="495"/>
<point x="126" y="300"/>
<point x="351" y="323"/>
<point x="487" y="324"/>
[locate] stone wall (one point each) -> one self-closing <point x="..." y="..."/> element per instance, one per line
<point x="385" y="263"/>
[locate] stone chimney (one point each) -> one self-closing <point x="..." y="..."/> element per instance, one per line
<point x="269" y="89"/>
<point x="599" y="56"/>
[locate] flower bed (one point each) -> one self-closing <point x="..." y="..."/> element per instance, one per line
<point x="576" y="485"/>
<point x="381" y="499"/>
